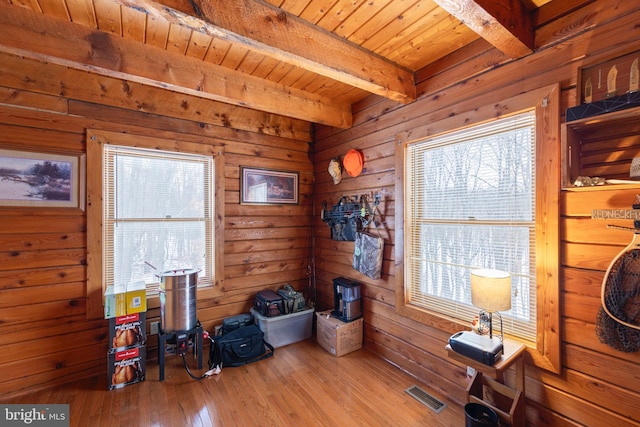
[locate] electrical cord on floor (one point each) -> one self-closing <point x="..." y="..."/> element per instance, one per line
<point x="207" y="374"/>
<point x="212" y="371"/>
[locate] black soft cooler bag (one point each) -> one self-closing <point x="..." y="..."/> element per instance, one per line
<point x="240" y="347"/>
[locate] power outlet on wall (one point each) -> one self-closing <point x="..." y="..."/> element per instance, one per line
<point x="470" y="372"/>
<point x="154" y="328"/>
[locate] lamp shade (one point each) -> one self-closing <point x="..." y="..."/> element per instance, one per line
<point x="491" y="289"/>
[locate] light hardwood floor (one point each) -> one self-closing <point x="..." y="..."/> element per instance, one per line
<point x="302" y="385"/>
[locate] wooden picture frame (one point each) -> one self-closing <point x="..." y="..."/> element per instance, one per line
<point x="268" y="187"/>
<point x="604" y="80"/>
<point x="38" y="179"/>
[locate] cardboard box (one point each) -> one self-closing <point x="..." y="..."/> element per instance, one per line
<point x="123" y="300"/>
<point x="286" y="328"/>
<point x="127" y="331"/>
<point x="126" y="367"/>
<point x="337" y="337"/>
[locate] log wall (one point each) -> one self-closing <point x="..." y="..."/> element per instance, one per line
<point x="597" y="385"/>
<point x="44" y="328"/>
<point x="44" y="325"/>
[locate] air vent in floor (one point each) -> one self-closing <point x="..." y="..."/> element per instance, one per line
<point x="424" y="397"/>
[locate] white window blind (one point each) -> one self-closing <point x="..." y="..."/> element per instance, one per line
<point x="158" y="211"/>
<point x="470" y="203"/>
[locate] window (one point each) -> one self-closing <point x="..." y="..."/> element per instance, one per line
<point x="153" y="205"/>
<point x="483" y="196"/>
<point x="470" y="203"/>
<point x="157" y="215"/>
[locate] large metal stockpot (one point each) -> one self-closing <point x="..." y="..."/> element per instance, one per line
<point x="178" y="300"/>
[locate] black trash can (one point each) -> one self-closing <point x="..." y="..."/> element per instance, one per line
<point x="477" y="415"/>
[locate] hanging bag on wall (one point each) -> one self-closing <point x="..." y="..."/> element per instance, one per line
<point x="367" y="254"/>
<point x="240" y="347"/>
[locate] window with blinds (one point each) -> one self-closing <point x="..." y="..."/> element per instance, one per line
<point x="470" y="203"/>
<point x="157" y="215"/>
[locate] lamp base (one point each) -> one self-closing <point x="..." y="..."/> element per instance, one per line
<point x="486" y="318"/>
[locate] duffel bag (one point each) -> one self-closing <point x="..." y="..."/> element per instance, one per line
<point x="293" y="301"/>
<point x="240" y="347"/>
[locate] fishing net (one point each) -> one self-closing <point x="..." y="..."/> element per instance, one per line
<point x="618" y="320"/>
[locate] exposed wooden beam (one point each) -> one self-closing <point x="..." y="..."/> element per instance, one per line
<point x="75" y="92"/>
<point x="268" y="30"/>
<point x="506" y="24"/>
<point x="39" y="37"/>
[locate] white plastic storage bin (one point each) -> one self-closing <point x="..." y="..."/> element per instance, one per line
<point x="286" y="328"/>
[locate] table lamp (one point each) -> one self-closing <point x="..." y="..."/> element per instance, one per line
<point x="491" y="291"/>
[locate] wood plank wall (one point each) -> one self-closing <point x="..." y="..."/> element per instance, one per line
<point x="44" y="331"/>
<point x="598" y="385"/>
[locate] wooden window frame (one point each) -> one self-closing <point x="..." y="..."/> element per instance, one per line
<point x="95" y="141"/>
<point x="546" y="351"/>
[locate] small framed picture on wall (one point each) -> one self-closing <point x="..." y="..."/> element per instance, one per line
<point x="266" y="186"/>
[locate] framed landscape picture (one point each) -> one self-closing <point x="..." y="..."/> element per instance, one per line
<point x="264" y="186"/>
<point x="41" y="179"/>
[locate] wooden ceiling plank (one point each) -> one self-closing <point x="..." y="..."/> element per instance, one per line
<point x="234" y="56"/>
<point x="178" y="40"/>
<point x="398" y="27"/>
<point x="506" y="24"/>
<point x="55" y="8"/>
<point x="108" y="16"/>
<point x="134" y="24"/>
<point x="266" y="66"/>
<point x="273" y="32"/>
<point x="439" y="40"/>
<point x="315" y="11"/>
<point x="389" y="16"/>
<point x="198" y="45"/>
<point x="427" y="31"/>
<point x="360" y="17"/>
<point x="280" y="71"/>
<point x="340" y="12"/>
<point x="105" y="54"/>
<point x="292" y="76"/>
<point x="295" y="7"/>
<point x="29" y="4"/>
<point x="217" y="51"/>
<point x="157" y="32"/>
<point x="81" y="12"/>
<point x="250" y="63"/>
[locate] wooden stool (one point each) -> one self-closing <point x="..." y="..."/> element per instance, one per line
<point x="505" y="401"/>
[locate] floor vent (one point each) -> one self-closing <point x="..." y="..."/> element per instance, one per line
<point x="424" y="397"/>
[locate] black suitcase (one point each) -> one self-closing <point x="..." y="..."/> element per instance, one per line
<point x="269" y="304"/>
<point x="236" y="322"/>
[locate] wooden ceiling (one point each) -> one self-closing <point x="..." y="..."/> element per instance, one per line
<point x="306" y="59"/>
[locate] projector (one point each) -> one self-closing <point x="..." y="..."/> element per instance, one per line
<point x="480" y="348"/>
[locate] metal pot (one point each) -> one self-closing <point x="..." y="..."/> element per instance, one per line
<point x="178" y="300"/>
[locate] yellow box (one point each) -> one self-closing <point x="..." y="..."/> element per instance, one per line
<point x="123" y="300"/>
<point x="336" y="336"/>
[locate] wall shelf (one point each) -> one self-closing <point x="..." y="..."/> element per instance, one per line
<point x="600" y="146"/>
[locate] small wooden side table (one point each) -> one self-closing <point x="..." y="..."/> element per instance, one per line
<point x="513" y="353"/>
<point x="512" y="356"/>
